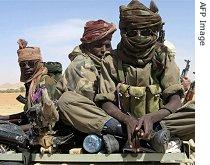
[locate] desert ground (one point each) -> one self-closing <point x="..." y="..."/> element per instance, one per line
<point x="9" y="104"/>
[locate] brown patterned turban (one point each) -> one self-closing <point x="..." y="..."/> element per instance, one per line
<point x="139" y="27"/>
<point x="28" y="53"/>
<point x="96" y="30"/>
<point x="137" y="16"/>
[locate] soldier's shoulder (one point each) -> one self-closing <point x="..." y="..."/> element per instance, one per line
<point x="79" y="63"/>
<point x="75" y="54"/>
<point x="160" y="48"/>
<point x="80" y="60"/>
<point x="163" y="52"/>
<point x="166" y="49"/>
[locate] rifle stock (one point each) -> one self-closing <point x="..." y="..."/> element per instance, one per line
<point x="161" y="37"/>
<point x="186" y="69"/>
<point x="190" y="93"/>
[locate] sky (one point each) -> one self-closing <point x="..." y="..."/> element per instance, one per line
<point x="56" y="26"/>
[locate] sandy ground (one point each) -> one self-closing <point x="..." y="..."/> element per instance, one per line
<point x="9" y="104"/>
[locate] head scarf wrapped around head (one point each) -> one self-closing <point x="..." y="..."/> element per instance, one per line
<point x="96" y="30"/>
<point x="138" y="49"/>
<point x="137" y="16"/>
<point x="28" y="53"/>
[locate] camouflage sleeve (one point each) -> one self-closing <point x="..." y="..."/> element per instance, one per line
<point x="170" y="79"/>
<point x="61" y="87"/>
<point x="81" y="77"/>
<point x="108" y="79"/>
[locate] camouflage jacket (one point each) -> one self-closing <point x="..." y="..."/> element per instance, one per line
<point x="134" y="87"/>
<point x="81" y="76"/>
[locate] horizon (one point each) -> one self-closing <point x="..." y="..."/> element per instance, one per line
<point x="57" y="26"/>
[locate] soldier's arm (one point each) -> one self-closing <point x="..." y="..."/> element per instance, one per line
<point x="61" y="87"/>
<point x="129" y="121"/>
<point x="172" y="93"/>
<point x="108" y="80"/>
<point x="81" y="76"/>
<point x="107" y="96"/>
<point x="50" y="84"/>
<point x="171" y="85"/>
<point x="146" y="122"/>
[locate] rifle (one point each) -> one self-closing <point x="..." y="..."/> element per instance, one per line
<point x="190" y="93"/>
<point x="186" y="69"/>
<point x="161" y="37"/>
<point x="21" y="99"/>
<point x="18" y="118"/>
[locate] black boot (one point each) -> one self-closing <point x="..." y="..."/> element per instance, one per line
<point x="160" y="138"/>
<point x="114" y="127"/>
<point x="111" y="143"/>
<point x="114" y="135"/>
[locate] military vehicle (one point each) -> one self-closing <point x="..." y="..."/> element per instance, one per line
<point x="68" y="146"/>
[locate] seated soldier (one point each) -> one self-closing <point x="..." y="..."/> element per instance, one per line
<point x="80" y="79"/>
<point x="80" y="83"/>
<point x="40" y="110"/>
<point x="142" y="78"/>
<point x="86" y="60"/>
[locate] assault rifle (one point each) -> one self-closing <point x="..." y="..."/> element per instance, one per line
<point x="186" y="69"/>
<point x="161" y="37"/>
<point x="190" y="93"/>
<point x="21" y="99"/>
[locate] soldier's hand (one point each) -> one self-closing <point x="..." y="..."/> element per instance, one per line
<point x="145" y="126"/>
<point x="131" y="124"/>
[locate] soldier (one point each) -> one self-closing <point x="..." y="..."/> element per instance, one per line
<point x="82" y="74"/>
<point x="40" y="107"/>
<point x="142" y="78"/>
<point x="80" y="80"/>
<point x="80" y="85"/>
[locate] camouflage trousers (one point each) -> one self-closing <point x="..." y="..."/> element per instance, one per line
<point x="84" y="115"/>
<point x="182" y="123"/>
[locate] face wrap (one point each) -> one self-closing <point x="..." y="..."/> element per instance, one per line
<point x="138" y="49"/>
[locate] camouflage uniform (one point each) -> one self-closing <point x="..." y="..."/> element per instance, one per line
<point x="40" y="87"/>
<point x="142" y="74"/>
<point x="155" y="85"/>
<point x="44" y="95"/>
<point x="79" y="82"/>
<point x="41" y="108"/>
